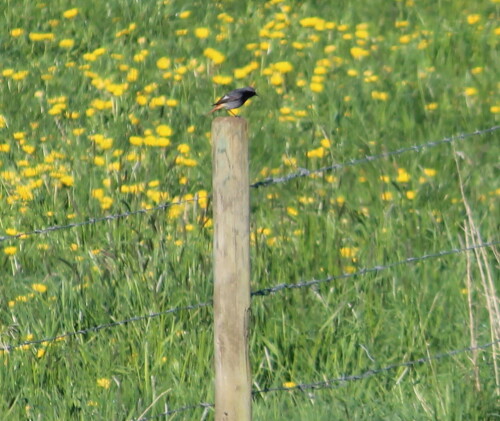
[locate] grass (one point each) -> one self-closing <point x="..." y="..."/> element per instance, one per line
<point x="102" y="112"/>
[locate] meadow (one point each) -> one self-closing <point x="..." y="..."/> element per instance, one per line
<point x="104" y="135"/>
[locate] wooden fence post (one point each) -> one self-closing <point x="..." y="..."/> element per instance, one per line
<point x="231" y="201"/>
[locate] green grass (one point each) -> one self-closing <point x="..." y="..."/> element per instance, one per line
<point x="429" y="72"/>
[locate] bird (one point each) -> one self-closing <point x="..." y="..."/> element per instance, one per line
<point x="234" y="99"/>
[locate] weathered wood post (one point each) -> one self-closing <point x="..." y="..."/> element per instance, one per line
<point x="231" y="197"/>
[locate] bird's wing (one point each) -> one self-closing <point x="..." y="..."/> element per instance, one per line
<point x="222" y="100"/>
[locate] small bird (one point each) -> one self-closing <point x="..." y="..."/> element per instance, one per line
<point x="234" y="99"/>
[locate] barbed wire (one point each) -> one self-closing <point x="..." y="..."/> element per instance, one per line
<point x="338" y="381"/>
<point x="260" y="292"/>
<point x="372" y="372"/>
<point x="304" y="172"/>
<point x="62" y="336"/>
<point x="276" y="288"/>
<point x="91" y="221"/>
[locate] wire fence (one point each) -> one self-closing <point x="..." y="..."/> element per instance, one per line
<point x="338" y="381"/>
<point x="331" y="383"/>
<point x="370" y="158"/>
<point x="260" y="292"/>
<point x="92" y="221"/>
<point x="303" y="172"/>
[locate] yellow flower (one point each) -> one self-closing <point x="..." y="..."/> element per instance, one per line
<point x="289" y="161"/>
<point x="316" y="153"/>
<point x="404" y="39"/>
<point x="106" y="202"/>
<point x="358" y="52"/>
<point x="71" y="13"/>
<point x="410" y="194"/>
<point x="317" y="87"/>
<point x="222" y="80"/>
<point x="292" y="211"/>
<point x="183" y="148"/>
<point x="362" y="33"/>
<point x="39" y="36"/>
<point x="289" y="385"/>
<point x="313" y="22"/>
<point x="163" y="63"/>
<point x="202" y="33"/>
<point x="132" y="75"/>
<point x="495" y="109"/>
<point x="382" y="96"/>
<point x="104" y="383"/>
<point x="470" y="91"/>
<point x="473" y="19"/>
<point x="10" y="250"/>
<point x="387" y="196"/>
<point x="67" y="180"/>
<point x="41" y="288"/>
<point x="187" y="162"/>
<point x="175" y="211"/>
<point x="216" y="56"/>
<point x="185" y="14"/>
<point x="431" y="106"/>
<point x="283" y="66"/>
<point x="326" y="143"/>
<point x="348" y="252"/>
<point x="403" y="176"/>
<point x="66" y="43"/>
<point x="99" y="161"/>
<point x="430" y="172"/>
<point x="164" y="130"/>
<point x="16" y="32"/>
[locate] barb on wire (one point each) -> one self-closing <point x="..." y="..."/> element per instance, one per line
<point x="90" y="221"/>
<point x="104" y="326"/>
<point x="415" y="148"/>
<point x="374" y="371"/>
<point x="336" y="382"/>
<point x="260" y="292"/>
<point x="305" y="284"/>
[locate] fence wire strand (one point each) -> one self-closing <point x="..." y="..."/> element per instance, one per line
<point x="276" y="288"/>
<point x="260" y="292"/>
<point x="104" y="326"/>
<point x="92" y="221"/>
<point x="374" y="371"/>
<point x="303" y="172"/>
<point x="338" y="381"/>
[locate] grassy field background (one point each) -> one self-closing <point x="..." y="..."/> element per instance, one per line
<point x="102" y="111"/>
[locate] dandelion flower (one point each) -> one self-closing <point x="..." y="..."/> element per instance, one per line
<point x="202" y="33"/>
<point x="104" y="383"/>
<point x="71" y="13"/>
